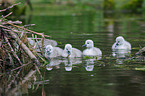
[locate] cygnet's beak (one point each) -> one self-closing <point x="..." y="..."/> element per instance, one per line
<point x="117" y="44"/>
<point x="84" y="45"/>
<point x="68" y="52"/>
<point x="48" y="53"/>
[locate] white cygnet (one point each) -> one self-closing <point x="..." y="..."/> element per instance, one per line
<point x="121" y="44"/>
<point x="51" y="52"/>
<point x="91" y="50"/>
<point x="71" y="52"/>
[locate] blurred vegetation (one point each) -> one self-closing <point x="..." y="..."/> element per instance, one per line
<point x="73" y="5"/>
<point x="133" y="5"/>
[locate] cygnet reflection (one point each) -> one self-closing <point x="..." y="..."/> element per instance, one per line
<point x="68" y="65"/>
<point x="54" y="63"/>
<point x="120" y="55"/>
<point x="89" y="64"/>
<point x="69" y="62"/>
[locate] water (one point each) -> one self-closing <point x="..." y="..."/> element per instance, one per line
<point x="109" y="76"/>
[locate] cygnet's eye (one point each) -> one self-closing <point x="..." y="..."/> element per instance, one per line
<point x="66" y="49"/>
<point x="88" y="43"/>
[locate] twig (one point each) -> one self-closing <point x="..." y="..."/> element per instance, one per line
<point x="43" y="44"/>
<point x="10" y="7"/>
<point x="7" y="15"/>
<point x="12" y="50"/>
<point x="38" y="71"/>
<point x="14" y="22"/>
<point x="10" y="29"/>
<point x="15" y="31"/>
<point x="29" y="25"/>
<point x="4" y="27"/>
<point x="27" y="29"/>
<point x="25" y="48"/>
<point x="21" y="66"/>
<point x="25" y="79"/>
<point x="43" y="90"/>
<point x="13" y="80"/>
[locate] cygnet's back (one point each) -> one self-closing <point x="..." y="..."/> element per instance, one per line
<point x="92" y="52"/>
<point x="48" y="42"/>
<point x="71" y="52"/>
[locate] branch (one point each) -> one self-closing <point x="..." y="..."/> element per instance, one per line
<point x="25" y="48"/>
<point x="27" y="29"/>
<point x="10" y="7"/>
<point x="7" y="15"/>
<point x="12" y="50"/>
<point x="21" y="66"/>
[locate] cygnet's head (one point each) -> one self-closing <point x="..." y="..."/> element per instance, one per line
<point x="68" y="48"/>
<point x="49" y="49"/>
<point x="89" y="44"/>
<point x="119" y="40"/>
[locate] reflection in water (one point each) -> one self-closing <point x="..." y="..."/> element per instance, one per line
<point x="69" y="62"/>
<point x="89" y="63"/>
<point x="120" y="55"/>
<point x="14" y="85"/>
<point x="68" y="65"/>
<point x="53" y="63"/>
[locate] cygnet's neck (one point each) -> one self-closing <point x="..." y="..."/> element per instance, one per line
<point x="89" y="47"/>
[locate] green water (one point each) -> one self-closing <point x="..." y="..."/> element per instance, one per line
<point x="110" y="76"/>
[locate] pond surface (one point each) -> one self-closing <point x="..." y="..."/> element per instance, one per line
<point x="109" y="76"/>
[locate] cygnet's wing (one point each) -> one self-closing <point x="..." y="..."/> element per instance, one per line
<point x="48" y="42"/>
<point x="57" y="51"/>
<point x="76" y="52"/>
<point x="98" y="51"/>
<point x="128" y="45"/>
<point x="64" y="53"/>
